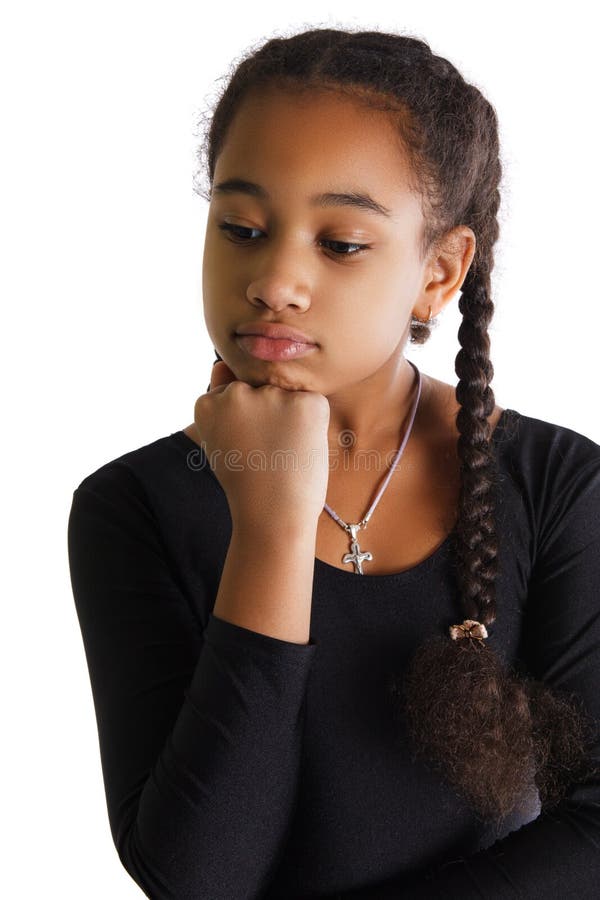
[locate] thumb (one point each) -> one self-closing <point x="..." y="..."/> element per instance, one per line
<point x="221" y="375"/>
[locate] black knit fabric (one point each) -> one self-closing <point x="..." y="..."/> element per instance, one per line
<point x="237" y="765"/>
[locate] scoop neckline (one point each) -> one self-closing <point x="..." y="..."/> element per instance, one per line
<point x="420" y="567"/>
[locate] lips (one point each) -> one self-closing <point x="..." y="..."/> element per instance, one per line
<point x="275" y="331"/>
<point x="274" y="349"/>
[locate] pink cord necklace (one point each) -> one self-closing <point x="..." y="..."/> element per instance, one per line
<point x="356" y="556"/>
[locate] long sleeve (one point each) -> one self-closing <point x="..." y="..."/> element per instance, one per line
<point x="199" y="729"/>
<point x="558" y="854"/>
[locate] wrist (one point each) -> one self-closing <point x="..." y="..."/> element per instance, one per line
<point x="294" y="530"/>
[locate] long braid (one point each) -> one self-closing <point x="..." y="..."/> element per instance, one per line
<point x="477" y="545"/>
<point x="496" y="736"/>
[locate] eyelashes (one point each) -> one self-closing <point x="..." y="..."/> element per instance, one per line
<point x="236" y="238"/>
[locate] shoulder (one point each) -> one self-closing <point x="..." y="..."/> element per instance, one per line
<point x="555" y="471"/>
<point x="550" y="473"/>
<point x="159" y="500"/>
<point x="169" y="467"/>
<point x="547" y="448"/>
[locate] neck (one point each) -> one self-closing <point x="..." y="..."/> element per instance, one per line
<point x="376" y="410"/>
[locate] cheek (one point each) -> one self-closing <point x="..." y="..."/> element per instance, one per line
<point x="362" y="338"/>
<point x="219" y="283"/>
<point x="376" y="306"/>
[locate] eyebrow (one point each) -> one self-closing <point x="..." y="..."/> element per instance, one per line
<point x="353" y="198"/>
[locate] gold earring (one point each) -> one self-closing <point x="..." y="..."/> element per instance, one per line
<point x="423" y="321"/>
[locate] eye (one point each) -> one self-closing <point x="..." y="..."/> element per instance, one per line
<point x="245" y="239"/>
<point x="360" y="248"/>
<point x="235" y="229"/>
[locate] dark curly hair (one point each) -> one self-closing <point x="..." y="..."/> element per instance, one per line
<point x="494" y="733"/>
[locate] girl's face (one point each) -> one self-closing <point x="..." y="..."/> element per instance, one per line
<point x="294" y="260"/>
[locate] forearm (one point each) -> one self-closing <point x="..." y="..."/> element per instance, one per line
<point x="213" y="816"/>
<point x="267" y="580"/>
<point x="555" y="855"/>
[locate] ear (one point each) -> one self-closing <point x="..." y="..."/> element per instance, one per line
<point x="445" y="270"/>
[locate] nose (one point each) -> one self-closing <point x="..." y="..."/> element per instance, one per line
<point x="279" y="287"/>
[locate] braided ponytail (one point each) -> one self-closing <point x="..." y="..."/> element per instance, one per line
<point x="495" y="735"/>
<point x="494" y="712"/>
<point x="501" y="739"/>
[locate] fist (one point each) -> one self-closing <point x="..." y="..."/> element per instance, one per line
<point x="267" y="447"/>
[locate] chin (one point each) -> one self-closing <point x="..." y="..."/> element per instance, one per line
<point x="285" y="382"/>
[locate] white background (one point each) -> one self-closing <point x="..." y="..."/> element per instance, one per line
<point x="104" y="347"/>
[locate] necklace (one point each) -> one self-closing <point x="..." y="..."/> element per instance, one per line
<point x="356" y="556"/>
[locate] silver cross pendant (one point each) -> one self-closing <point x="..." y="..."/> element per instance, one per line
<point x="355" y="556"/>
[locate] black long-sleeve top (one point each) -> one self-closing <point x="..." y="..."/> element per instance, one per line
<point x="237" y="765"/>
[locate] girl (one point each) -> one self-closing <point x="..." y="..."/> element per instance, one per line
<point x="324" y="678"/>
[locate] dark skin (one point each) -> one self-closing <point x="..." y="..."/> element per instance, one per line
<point x="356" y="308"/>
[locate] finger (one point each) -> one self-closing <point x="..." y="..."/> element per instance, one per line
<point x="221" y="375"/>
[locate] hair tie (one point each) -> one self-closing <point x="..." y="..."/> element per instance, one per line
<point x="469" y="629"/>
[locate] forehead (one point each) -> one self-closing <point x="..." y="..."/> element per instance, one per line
<point x="295" y="144"/>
